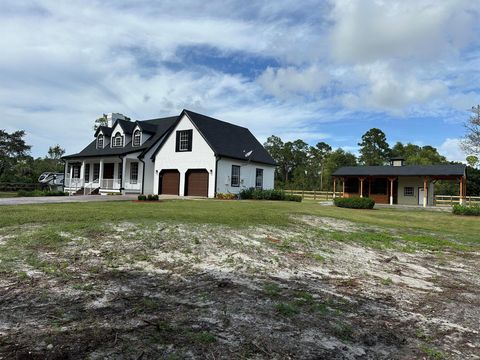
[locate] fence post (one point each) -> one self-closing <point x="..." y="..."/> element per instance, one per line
<point x="314" y="194"/>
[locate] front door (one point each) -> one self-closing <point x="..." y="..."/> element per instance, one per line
<point x="108" y="170"/>
<point x="421" y="192"/>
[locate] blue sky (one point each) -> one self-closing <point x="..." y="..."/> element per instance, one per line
<point x="316" y="70"/>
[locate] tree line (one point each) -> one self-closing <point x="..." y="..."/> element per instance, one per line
<point x="301" y="166"/>
<point x="16" y="163"/>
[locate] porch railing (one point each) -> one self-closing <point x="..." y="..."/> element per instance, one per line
<point x="73" y="183"/>
<point x="110" y="184"/>
<point x="132" y="185"/>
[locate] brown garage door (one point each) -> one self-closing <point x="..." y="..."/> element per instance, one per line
<point x="197" y="183"/>
<point x="169" y="182"/>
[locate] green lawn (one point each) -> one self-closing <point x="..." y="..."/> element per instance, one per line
<point x="8" y="194"/>
<point x="413" y="225"/>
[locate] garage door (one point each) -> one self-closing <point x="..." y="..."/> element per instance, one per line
<point x="169" y="182"/>
<point x="197" y="183"/>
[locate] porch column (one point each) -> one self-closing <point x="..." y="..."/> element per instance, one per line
<point x="124" y="174"/>
<point x="391" y="189"/>
<point x="71" y="173"/>
<point x="361" y="186"/>
<point x="82" y="172"/>
<point x="461" y="191"/>
<point x="65" y="171"/>
<point x="334" y="186"/>
<point x="100" y="174"/>
<point x="425" y="192"/>
<point x="343" y="187"/>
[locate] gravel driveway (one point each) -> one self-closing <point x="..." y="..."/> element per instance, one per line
<point x="69" y="199"/>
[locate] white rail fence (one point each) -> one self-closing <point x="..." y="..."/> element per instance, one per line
<point x="440" y="200"/>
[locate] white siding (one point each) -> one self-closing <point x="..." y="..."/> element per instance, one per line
<point x="247" y="175"/>
<point x="201" y="157"/>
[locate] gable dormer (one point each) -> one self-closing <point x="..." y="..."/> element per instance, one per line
<point x="100" y="141"/>
<point x="102" y="137"/>
<point x="137" y="136"/>
<point x="117" y="138"/>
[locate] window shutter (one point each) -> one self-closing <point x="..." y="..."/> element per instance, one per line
<point x="177" y="142"/>
<point x="190" y="135"/>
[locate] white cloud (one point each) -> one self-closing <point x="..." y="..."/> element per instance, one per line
<point x="283" y="82"/>
<point x="64" y="63"/>
<point x="450" y="148"/>
<point x="372" y="30"/>
<point x="386" y="89"/>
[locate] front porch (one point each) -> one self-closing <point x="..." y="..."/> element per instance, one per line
<point x="103" y="176"/>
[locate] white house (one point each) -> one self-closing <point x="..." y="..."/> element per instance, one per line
<point x="187" y="155"/>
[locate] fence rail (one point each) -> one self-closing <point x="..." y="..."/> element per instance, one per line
<point x="12" y="186"/>
<point x="440" y="200"/>
<point x="314" y="194"/>
<point x="450" y="200"/>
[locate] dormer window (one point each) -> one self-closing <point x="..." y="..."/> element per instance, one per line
<point x="137" y="136"/>
<point x="100" y="141"/>
<point x="118" y="140"/>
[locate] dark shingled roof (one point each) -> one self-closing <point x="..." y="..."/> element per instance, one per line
<point x="230" y="140"/>
<point x="407" y="170"/>
<point x="225" y="139"/>
<point x="161" y="125"/>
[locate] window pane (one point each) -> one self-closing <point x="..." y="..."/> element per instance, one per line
<point x="235" y="179"/>
<point x="259" y="178"/>
<point x="134" y="172"/>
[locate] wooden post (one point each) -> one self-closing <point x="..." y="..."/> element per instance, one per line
<point x="425" y="191"/>
<point x="343" y="188"/>
<point x="391" y="190"/>
<point x="334" y="186"/>
<point x="314" y="195"/>
<point x="361" y="186"/>
<point x="369" y="187"/>
<point x="461" y="191"/>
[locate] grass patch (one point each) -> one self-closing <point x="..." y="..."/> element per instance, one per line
<point x="431" y="353"/>
<point x="286" y="309"/>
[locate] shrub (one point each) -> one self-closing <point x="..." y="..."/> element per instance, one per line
<point x="473" y="210"/>
<point x="155" y="197"/>
<point x="289" y="197"/>
<point x="354" y="203"/>
<point x="259" y="194"/>
<point x="142" y="198"/>
<point x="226" y="196"/>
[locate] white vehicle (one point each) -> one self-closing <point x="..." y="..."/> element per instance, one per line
<point x="54" y="181"/>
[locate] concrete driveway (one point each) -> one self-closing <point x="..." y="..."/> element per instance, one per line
<point x="70" y="199"/>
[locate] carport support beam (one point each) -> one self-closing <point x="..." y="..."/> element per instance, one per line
<point x="461" y="191"/>
<point x="391" y="190"/>
<point x="334" y="186"/>
<point x="361" y="186"/>
<point x="424" y="192"/>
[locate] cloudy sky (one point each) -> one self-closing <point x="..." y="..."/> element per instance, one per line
<point x="316" y="70"/>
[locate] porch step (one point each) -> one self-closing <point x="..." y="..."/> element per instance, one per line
<point x="95" y="191"/>
<point x="79" y="191"/>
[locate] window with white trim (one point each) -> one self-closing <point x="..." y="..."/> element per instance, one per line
<point x="235" y="178"/>
<point x="133" y="172"/>
<point x="184" y="140"/>
<point x="259" y="178"/>
<point x="408" y="191"/>
<point x="137" y="137"/>
<point x="96" y="172"/>
<point x="100" y="141"/>
<point x="87" y="173"/>
<point x="118" y="140"/>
